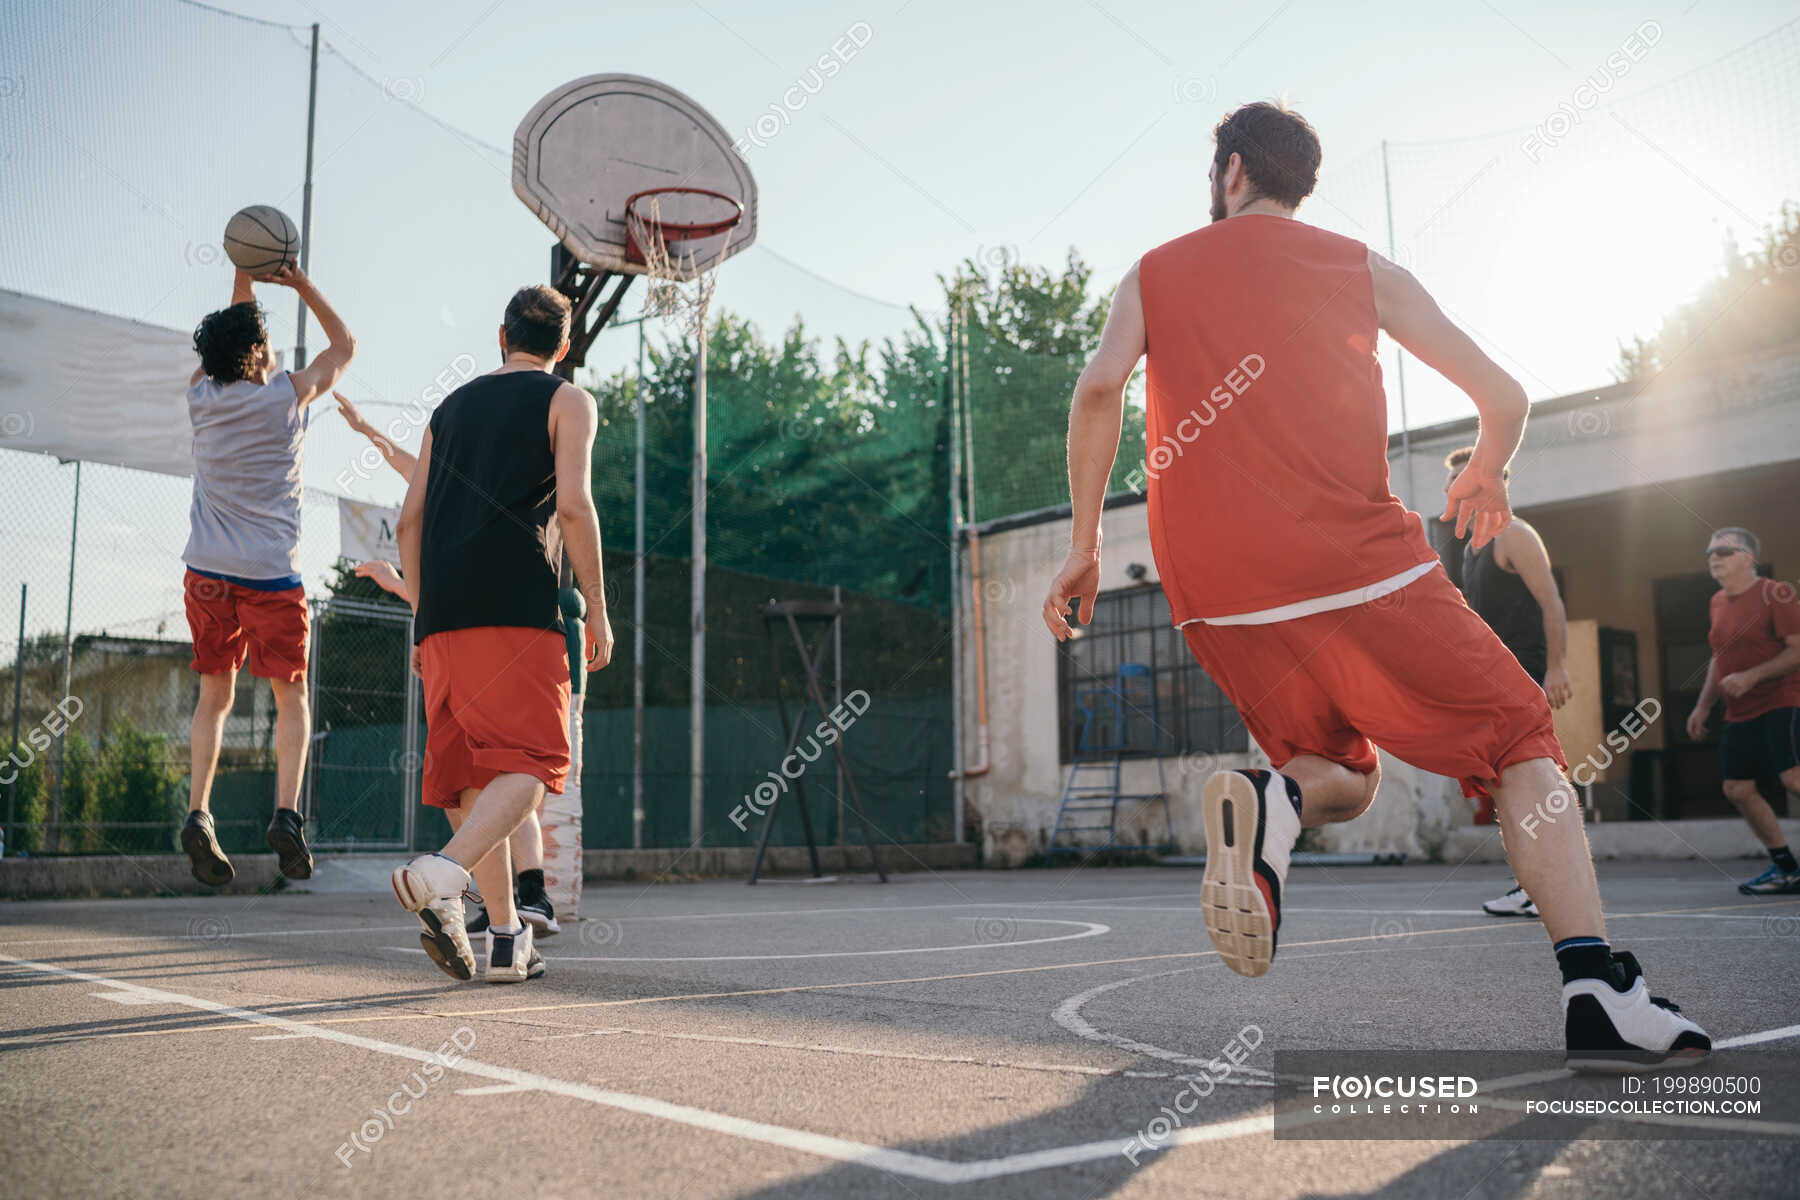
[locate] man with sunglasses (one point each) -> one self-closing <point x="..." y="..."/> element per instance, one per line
<point x="1755" y="639"/>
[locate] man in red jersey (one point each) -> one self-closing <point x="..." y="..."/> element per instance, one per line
<point x="1755" y="640"/>
<point x="1305" y="588"/>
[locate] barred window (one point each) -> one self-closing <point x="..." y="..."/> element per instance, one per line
<point x="1132" y="626"/>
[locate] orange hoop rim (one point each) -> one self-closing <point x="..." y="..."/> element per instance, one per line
<point x="675" y="231"/>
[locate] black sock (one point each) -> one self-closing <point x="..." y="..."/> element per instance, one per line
<point x="1293" y="790"/>
<point x="1584" y="958"/>
<point x="1784" y="858"/>
<point x="532" y="880"/>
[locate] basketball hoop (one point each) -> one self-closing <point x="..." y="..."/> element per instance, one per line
<point x="665" y="230"/>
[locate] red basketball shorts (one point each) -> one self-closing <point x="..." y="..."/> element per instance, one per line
<point x="231" y="624"/>
<point x="1415" y="672"/>
<point x="496" y="703"/>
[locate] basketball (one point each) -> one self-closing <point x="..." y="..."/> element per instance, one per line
<point x="260" y="238"/>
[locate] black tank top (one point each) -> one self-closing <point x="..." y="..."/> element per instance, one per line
<point x="1501" y="598"/>
<point x="490" y="497"/>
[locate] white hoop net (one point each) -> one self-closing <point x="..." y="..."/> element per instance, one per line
<point x="676" y="288"/>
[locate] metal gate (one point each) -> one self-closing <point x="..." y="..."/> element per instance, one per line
<point x="368" y="744"/>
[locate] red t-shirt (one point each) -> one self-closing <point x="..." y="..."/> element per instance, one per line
<point x="1267" y="426"/>
<point x="1749" y="629"/>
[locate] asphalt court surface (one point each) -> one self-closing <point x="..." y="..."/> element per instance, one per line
<point x="976" y="1033"/>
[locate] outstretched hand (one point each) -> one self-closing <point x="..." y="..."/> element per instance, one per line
<point x="352" y="415"/>
<point x="1079" y="579"/>
<point x="1477" y="501"/>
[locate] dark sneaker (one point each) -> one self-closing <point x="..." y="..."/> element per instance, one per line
<point x="1772" y="882"/>
<point x="536" y="911"/>
<point x="510" y="956"/>
<point x="478" y="919"/>
<point x="1617" y="1025"/>
<point x="1251" y="828"/>
<point x="1514" y="904"/>
<point x="211" y="867"/>
<point x="288" y="840"/>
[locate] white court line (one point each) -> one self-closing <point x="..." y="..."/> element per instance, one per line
<point x="899" y="1162"/>
<point x="492" y="1089"/>
<point x="121" y="997"/>
<point x="204" y="937"/>
<point x="1120" y="901"/>
<point x="1088" y="929"/>
<point x="868" y="1052"/>
<point x="1753" y="1039"/>
<point x="836" y="1149"/>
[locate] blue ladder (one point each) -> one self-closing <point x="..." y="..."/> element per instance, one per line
<point x="1091" y="795"/>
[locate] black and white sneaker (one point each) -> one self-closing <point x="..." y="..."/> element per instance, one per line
<point x="198" y="839"/>
<point x="1251" y="828"/>
<point x="1616" y="1025"/>
<point x="536" y="911"/>
<point x="1514" y="904"/>
<point x="511" y="955"/>
<point x="478" y="917"/>
<point x="287" y="838"/>
<point x="432" y="886"/>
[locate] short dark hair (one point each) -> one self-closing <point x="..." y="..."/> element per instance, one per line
<point x="1458" y="458"/>
<point x="1745" y="538"/>
<point x="537" y="320"/>
<point x="1280" y="150"/>
<point x="227" y="341"/>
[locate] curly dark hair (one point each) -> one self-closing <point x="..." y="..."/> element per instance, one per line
<point x="1280" y="151"/>
<point x="537" y="320"/>
<point x="227" y="341"/>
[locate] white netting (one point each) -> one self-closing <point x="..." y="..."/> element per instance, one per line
<point x="677" y="289"/>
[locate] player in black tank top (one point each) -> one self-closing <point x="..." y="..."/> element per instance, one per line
<point x="483" y="546"/>
<point x="1509" y="585"/>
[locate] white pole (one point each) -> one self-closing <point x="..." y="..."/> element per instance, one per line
<point x="697" y="603"/>
<point x="637" y="620"/>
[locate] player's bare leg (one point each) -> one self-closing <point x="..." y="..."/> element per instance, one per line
<point x="198" y="837"/>
<point x="1611" y="1021"/>
<point x="293" y="737"/>
<point x="1546" y="843"/>
<point x="432" y="885"/>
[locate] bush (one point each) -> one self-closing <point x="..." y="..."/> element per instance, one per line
<point x="80" y="810"/>
<point x="134" y="781"/>
<point x="29" y="797"/>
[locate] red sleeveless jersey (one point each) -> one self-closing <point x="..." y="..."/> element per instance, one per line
<point x="1266" y="451"/>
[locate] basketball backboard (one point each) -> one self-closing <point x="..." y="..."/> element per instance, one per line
<point x="591" y="144"/>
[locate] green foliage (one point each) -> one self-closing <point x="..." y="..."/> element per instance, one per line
<point x="30" y="797"/>
<point x="1753" y="303"/>
<point x="134" y="782"/>
<point x="81" y="813"/>
<point x="128" y="778"/>
<point x="1030" y="333"/>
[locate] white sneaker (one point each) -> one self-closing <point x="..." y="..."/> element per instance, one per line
<point x="1514" y="904"/>
<point x="432" y="886"/>
<point x="1251" y="828"/>
<point x="426" y="878"/>
<point x="511" y="956"/>
<point x="1617" y="1025"/>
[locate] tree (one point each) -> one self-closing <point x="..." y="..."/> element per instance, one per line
<point x="1752" y="303"/>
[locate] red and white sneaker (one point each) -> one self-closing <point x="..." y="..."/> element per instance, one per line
<point x="1251" y="828"/>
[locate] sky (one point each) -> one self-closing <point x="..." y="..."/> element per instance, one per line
<point x="1551" y="226"/>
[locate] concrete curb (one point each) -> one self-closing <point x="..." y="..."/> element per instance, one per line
<point x="102" y="875"/>
<point x="1721" y="838"/>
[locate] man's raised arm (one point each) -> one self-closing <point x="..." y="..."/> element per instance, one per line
<point x="1411" y="317"/>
